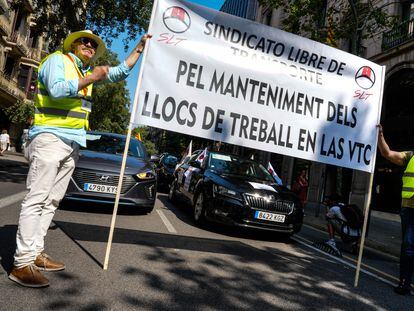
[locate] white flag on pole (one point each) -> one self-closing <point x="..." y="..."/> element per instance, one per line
<point x="274" y="174"/>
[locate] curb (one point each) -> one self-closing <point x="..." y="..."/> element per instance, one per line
<point x="368" y="243"/>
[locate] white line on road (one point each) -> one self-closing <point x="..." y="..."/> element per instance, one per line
<point x="299" y="240"/>
<point x="166" y="222"/>
<point x="11" y="199"/>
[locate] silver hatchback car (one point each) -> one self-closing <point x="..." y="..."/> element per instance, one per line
<point x="96" y="175"/>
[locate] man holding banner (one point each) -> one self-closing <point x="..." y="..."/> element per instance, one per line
<point x="62" y="108"/>
<point x="406" y="159"/>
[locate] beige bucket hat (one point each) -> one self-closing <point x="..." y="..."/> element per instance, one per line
<point x="84" y="34"/>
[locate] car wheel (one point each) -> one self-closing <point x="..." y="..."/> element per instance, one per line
<point x="198" y="209"/>
<point x="172" y="196"/>
<point x="148" y="210"/>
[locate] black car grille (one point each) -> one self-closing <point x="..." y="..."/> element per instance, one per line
<point x="280" y="206"/>
<point x="81" y="177"/>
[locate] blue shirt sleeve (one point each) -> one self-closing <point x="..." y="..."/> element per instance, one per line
<point x="52" y="76"/>
<point x="118" y="73"/>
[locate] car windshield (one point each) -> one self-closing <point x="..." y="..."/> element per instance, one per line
<point x="114" y="145"/>
<point x="234" y="165"/>
<point x="170" y="161"/>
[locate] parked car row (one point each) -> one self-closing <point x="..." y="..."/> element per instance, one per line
<point x="218" y="186"/>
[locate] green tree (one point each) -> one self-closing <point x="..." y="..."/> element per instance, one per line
<point x="352" y="20"/>
<point x="21" y="112"/>
<point x="146" y="139"/>
<point x="110" y="102"/>
<point x="108" y="18"/>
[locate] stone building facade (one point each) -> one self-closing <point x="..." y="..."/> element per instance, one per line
<point x="21" y="50"/>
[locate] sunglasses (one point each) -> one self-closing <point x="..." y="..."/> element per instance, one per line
<point x="85" y="41"/>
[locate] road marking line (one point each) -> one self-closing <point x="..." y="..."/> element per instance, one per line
<point x="166" y="222"/>
<point x="11" y="199"/>
<point x="298" y="239"/>
<point x="374" y="269"/>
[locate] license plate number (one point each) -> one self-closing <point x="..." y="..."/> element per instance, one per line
<point x="99" y="188"/>
<point x="269" y="216"/>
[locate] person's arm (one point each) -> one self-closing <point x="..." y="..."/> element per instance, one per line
<point x="52" y="75"/>
<point x="99" y="73"/>
<point x="395" y="157"/>
<point x="137" y="51"/>
<point x="121" y="72"/>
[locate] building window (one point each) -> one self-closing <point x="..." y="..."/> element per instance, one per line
<point x="22" y="78"/>
<point x="267" y="17"/>
<point x="9" y="66"/>
<point x="408" y="10"/>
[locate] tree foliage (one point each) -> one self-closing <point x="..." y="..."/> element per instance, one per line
<point x="352" y="20"/>
<point x="108" y="18"/>
<point x="21" y="112"/>
<point x="146" y="139"/>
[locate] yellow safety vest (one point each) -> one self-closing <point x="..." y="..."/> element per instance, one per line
<point x="408" y="180"/>
<point x="63" y="112"/>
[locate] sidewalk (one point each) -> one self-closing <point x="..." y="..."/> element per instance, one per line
<point x="10" y="156"/>
<point x="384" y="229"/>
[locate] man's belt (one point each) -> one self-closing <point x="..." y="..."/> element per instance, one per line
<point x="407" y="202"/>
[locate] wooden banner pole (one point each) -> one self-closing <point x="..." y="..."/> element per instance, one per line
<point x="128" y="138"/>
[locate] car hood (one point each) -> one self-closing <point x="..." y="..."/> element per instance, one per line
<point x="106" y="162"/>
<point x="251" y="185"/>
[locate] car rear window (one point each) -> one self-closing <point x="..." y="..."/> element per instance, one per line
<point x="112" y="144"/>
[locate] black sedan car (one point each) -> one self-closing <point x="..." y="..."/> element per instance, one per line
<point x="165" y="170"/>
<point x="96" y="175"/>
<point x="229" y="189"/>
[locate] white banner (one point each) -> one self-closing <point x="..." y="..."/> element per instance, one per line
<point x="217" y="76"/>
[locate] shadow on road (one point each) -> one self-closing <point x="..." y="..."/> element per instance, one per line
<point x="13" y="171"/>
<point x="245" y="277"/>
<point x="99" y="208"/>
<point x="7" y="246"/>
<point x="184" y="213"/>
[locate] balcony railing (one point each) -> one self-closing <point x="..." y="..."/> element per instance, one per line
<point x="398" y="35"/>
<point x="10" y="87"/>
<point x="21" y="44"/>
<point x="35" y="54"/>
<point x="28" y="5"/>
<point x="5" y="27"/>
<point x="4" y="7"/>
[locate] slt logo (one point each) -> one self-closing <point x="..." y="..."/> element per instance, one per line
<point x="176" y="19"/>
<point x="365" y="77"/>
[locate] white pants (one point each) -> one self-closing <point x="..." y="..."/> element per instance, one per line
<point x="51" y="166"/>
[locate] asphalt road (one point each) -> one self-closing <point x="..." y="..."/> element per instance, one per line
<point x="161" y="261"/>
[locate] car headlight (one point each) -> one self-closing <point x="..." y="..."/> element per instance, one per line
<point x="146" y="175"/>
<point x="220" y="190"/>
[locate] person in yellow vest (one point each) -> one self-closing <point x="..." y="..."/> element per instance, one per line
<point x="62" y="108"/>
<point x="406" y="159"/>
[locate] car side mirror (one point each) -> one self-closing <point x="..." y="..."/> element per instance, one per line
<point x="154" y="159"/>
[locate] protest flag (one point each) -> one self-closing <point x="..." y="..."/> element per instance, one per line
<point x="273" y="173"/>
<point x="202" y="156"/>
